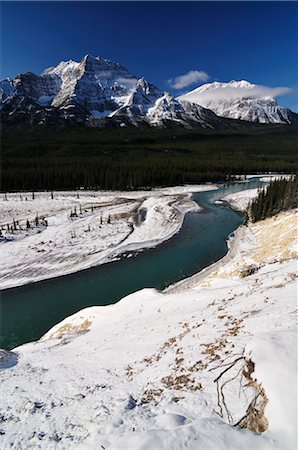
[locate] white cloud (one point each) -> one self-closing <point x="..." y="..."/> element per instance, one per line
<point x="230" y="92"/>
<point x="129" y="82"/>
<point x="189" y="78"/>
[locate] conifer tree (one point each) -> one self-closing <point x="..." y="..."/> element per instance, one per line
<point x="280" y="195"/>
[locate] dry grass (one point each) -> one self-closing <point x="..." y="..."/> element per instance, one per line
<point x="212" y="349"/>
<point x="151" y="395"/>
<point x="276" y="236"/>
<point x="273" y="240"/>
<point x="68" y="331"/>
<point x="181" y="382"/>
<point x="254" y="418"/>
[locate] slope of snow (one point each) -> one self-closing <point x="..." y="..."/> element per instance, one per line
<point x="240" y="200"/>
<point x="239" y="100"/>
<point x="276" y="368"/>
<point x="140" y="374"/>
<point x="167" y="110"/>
<point x="105" y="225"/>
<point x="66" y="71"/>
<point x="141" y="98"/>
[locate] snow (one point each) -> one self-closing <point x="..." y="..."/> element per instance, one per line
<point x="240" y="200"/>
<point x="167" y="108"/>
<point x="66" y="245"/>
<point x="275" y="356"/>
<point x="107" y="89"/>
<point x="142" y="96"/>
<point x="147" y="103"/>
<point x="140" y="374"/>
<point x="63" y="68"/>
<point x="162" y="221"/>
<point x="267" y="177"/>
<point x="240" y="100"/>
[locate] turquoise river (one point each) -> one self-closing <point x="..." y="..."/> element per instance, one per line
<point x="27" y="312"/>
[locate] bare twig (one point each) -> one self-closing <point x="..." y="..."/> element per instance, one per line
<point x="228" y="368"/>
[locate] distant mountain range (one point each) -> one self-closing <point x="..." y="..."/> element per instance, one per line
<point x="99" y="92"/>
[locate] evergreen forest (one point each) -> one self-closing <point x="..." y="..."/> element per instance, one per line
<point x="280" y="195"/>
<point x="45" y="158"/>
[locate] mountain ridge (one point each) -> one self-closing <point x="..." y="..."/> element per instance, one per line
<point x="99" y="92"/>
<point x="240" y="100"/>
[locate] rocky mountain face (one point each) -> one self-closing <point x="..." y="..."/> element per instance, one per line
<point x="93" y="87"/>
<point x="238" y="100"/>
<point x="96" y="92"/>
<point x="99" y="92"/>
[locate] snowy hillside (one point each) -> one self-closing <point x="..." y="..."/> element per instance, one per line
<point x="240" y="100"/>
<point x="197" y="367"/>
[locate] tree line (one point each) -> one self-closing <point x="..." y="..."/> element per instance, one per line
<point x="280" y="195"/>
<point x="97" y="159"/>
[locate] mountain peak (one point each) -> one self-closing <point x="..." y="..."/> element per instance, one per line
<point x="240" y="83"/>
<point x="215" y="85"/>
<point x="89" y="58"/>
<point x="145" y="86"/>
<point x="98" y="63"/>
<point x="95" y="90"/>
<point x="239" y="100"/>
<point x="62" y="67"/>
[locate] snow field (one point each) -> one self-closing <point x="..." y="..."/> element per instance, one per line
<point x="140" y="374"/>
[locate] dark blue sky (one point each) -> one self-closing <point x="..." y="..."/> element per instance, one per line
<point x="256" y="41"/>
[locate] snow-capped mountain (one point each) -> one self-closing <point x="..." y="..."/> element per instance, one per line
<point x="94" y="84"/>
<point x="148" y="103"/>
<point x="240" y="100"/>
<point x="97" y="92"/>
<point x="100" y="92"/>
<point x="168" y="110"/>
<point x="142" y="97"/>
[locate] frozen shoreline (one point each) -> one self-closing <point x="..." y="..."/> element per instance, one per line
<point x="189" y="283"/>
<point x="106" y="225"/>
<point x="239" y="202"/>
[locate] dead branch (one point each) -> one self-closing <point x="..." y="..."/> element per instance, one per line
<point x="228" y="368"/>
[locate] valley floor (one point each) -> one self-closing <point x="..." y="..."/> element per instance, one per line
<point x="170" y="370"/>
<point x="103" y="225"/>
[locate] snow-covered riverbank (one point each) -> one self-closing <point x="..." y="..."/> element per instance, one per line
<point x="239" y="201"/>
<point x="40" y="240"/>
<point x="141" y="374"/>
